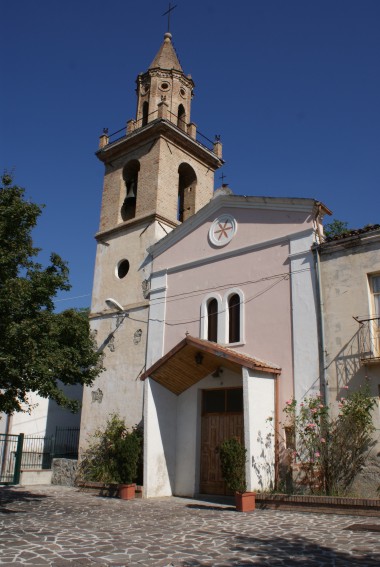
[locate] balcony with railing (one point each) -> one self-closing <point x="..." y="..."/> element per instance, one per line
<point x="369" y="340"/>
<point x="162" y="112"/>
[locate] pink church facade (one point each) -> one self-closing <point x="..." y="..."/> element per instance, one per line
<point x="240" y="276"/>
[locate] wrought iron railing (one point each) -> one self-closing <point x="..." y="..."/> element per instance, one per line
<point x="134" y="125"/>
<point x="369" y="339"/>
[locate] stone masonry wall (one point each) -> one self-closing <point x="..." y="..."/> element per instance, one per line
<point x="64" y="472"/>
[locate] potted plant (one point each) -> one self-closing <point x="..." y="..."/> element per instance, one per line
<point x="113" y="457"/>
<point x="233" y="458"/>
<point x="127" y="453"/>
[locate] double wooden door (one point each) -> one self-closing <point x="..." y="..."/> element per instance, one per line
<point x="222" y="418"/>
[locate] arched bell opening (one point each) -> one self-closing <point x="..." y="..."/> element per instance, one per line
<point x="181" y="117"/>
<point x="187" y="182"/>
<point x="145" y="113"/>
<point x="130" y="177"/>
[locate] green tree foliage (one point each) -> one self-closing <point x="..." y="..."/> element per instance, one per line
<point x="39" y="349"/>
<point x="335" y="228"/>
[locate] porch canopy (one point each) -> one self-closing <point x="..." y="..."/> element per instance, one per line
<point x="193" y="359"/>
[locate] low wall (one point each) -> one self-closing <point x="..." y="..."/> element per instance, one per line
<point x="323" y="504"/>
<point x="33" y="477"/>
<point x="64" y="472"/>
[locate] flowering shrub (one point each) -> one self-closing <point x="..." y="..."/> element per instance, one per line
<point x="329" y="452"/>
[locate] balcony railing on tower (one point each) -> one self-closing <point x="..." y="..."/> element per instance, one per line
<point x="369" y="339"/>
<point x="162" y="112"/>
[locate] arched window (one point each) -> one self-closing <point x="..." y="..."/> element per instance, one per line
<point x="145" y="113"/>
<point x="212" y="320"/>
<point x="181" y="117"/>
<point x="130" y="176"/>
<point x="187" y="181"/>
<point x="234" y="319"/>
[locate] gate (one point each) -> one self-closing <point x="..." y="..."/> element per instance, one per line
<point x="10" y="458"/>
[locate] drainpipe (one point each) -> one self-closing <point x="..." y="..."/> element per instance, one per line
<point x="321" y="324"/>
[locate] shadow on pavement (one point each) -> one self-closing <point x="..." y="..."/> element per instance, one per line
<point x="10" y="495"/>
<point x="287" y="552"/>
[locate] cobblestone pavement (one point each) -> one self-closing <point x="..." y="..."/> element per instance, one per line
<point x="50" y="525"/>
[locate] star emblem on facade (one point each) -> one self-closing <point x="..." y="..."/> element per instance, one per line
<point x="222" y="230"/>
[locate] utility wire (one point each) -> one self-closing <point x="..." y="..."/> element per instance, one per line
<point x="192" y="293"/>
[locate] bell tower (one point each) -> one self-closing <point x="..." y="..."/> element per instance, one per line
<point x="157" y="174"/>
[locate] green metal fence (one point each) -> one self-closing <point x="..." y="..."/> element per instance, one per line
<point x="39" y="451"/>
<point x="31" y="452"/>
<point x="10" y="458"/>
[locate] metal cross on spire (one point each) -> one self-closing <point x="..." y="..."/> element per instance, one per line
<point x="168" y="12"/>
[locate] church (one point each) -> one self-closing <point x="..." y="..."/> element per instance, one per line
<point x="205" y="303"/>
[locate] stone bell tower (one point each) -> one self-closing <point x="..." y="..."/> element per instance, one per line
<point x="156" y="176"/>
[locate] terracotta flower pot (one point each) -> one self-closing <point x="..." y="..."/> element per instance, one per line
<point x="245" y="502"/>
<point x="127" y="491"/>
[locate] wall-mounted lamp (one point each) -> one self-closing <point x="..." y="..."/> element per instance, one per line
<point x="113" y="304"/>
<point x="198" y="358"/>
<point x="218" y="372"/>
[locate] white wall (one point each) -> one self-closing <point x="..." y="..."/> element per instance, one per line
<point x="259" y="405"/>
<point x="304" y="318"/>
<point x="46" y="415"/>
<point x="160" y="422"/>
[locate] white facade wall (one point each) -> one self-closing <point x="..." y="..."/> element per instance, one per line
<point x="306" y="373"/>
<point x="160" y="422"/>
<point x="259" y="419"/>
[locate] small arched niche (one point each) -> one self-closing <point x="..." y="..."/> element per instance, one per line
<point x="130" y="177"/>
<point x="187" y="182"/>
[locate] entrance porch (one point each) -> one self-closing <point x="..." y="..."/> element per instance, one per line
<point x="184" y="423"/>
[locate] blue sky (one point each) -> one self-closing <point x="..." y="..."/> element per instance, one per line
<point x="292" y="86"/>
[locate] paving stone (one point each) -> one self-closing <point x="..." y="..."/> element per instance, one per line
<point x="61" y="526"/>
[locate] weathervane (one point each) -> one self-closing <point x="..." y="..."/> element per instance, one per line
<point x="168" y="12"/>
<point x="222" y="177"/>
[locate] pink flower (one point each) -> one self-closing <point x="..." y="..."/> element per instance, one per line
<point x="321" y="406"/>
<point x="317" y="454"/>
<point x="289" y="402"/>
<point x="323" y="440"/>
<point x="313" y="410"/>
<point x="345" y="387"/>
<point x="302" y="404"/>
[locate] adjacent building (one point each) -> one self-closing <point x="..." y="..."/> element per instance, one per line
<point x="350" y="294"/>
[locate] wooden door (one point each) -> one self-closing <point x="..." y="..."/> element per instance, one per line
<point x="222" y="418"/>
